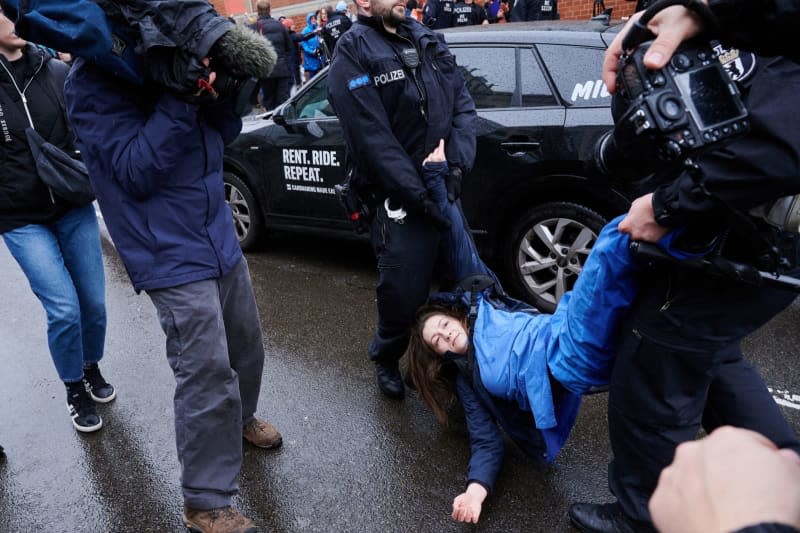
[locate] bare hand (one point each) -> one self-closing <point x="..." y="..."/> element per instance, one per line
<point x="640" y="222"/>
<point x="437" y="156"/>
<point x="671" y="26"/>
<point x="212" y="76"/>
<point x="467" y="505"/>
<point x="731" y="479"/>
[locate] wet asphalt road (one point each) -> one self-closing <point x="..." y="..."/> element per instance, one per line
<point x="351" y="460"/>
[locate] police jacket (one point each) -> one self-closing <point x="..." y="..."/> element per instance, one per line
<point x="534" y="10"/>
<point x="438" y="14"/>
<point x="768" y="28"/>
<point x="392" y="115"/>
<point x="465" y="14"/>
<point x="759" y="167"/>
<point x="155" y="163"/>
<point x="278" y="35"/>
<point x="24" y="198"/>
<point x="337" y="24"/>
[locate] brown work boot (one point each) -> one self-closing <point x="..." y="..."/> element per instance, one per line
<point x="220" y="520"/>
<point x="262" y="434"/>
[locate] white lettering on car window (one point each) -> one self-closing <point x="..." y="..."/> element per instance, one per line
<point x="589" y="90"/>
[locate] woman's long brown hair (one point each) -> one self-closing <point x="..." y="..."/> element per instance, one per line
<point x="429" y="371"/>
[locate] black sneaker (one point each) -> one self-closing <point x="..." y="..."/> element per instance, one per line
<point x="81" y="408"/>
<point x="99" y="389"/>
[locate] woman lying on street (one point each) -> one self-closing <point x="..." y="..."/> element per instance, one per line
<point x="528" y="370"/>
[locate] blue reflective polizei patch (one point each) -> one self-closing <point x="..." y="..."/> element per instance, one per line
<point x="360" y="81"/>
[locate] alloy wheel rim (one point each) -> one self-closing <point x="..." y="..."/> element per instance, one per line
<point x="241" y="213"/>
<point x="551" y="254"/>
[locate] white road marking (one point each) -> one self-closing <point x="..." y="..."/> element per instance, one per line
<point x="785" y="398"/>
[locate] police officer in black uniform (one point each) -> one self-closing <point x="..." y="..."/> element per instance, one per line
<point x="534" y="10"/>
<point x="679" y="363"/>
<point x="338" y="23"/>
<point x="397" y="91"/>
<point x="468" y="13"/>
<point x="438" y="14"/>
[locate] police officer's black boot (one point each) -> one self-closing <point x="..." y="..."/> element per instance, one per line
<point x="605" y="518"/>
<point x="390" y="382"/>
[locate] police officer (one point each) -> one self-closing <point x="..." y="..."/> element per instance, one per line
<point x="468" y="13"/>
<point x="338" y="23"/>
<point x="679" y="362"/>
<point x="397" y="91"/>
<point x="534" y="10"/>
<point x="438" y="14"/>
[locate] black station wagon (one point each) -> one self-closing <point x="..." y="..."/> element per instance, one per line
<point x="534" y="207"/>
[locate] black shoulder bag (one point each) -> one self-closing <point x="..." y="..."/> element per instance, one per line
<point x="66" y="177"/>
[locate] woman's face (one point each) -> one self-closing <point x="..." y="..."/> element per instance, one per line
<point x="10" y="42"/>
<point x="443" y="333"/>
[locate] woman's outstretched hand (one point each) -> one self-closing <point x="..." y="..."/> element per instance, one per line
<point x="467" y="505"/>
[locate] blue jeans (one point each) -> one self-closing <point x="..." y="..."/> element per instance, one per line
<point x="64" y="266"/>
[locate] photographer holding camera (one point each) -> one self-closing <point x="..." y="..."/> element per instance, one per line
<point x="679" y="363"/>
<point x="154" y="153"/>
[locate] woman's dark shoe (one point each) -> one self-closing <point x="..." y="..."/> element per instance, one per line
<point x="97" y="387"/>
<point x="390" y="382"/>
<point x="81" y="408"/>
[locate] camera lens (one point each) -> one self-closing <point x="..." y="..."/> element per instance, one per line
<point x="670" y="107"/>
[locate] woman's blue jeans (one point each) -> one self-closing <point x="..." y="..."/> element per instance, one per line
<point x="64" y="266"/>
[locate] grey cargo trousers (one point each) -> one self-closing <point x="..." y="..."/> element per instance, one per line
<point x="215" y="349"/>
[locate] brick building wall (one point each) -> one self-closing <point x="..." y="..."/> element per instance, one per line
<point x="569" y="9"/>
<point x="582" y="9"/>
<point x="219" y="6"/>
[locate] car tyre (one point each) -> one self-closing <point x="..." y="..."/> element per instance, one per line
<point x="547" y="249"/>
<point x="247" y="220"/>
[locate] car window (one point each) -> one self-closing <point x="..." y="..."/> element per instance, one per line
<point x="489" y="74"/>
<point x="576" y="73"/>
<point x="314" y="102"/>
<point x="535" y="89"/>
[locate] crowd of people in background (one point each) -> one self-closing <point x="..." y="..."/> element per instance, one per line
<point x="677" y="368"/>
<point x="302" y="54"/>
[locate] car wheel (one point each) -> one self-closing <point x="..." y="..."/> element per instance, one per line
<point x="246" y="215"/>
<point x="547" y="249"/>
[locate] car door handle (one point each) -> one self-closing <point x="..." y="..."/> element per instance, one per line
<point x="520" y="148"/>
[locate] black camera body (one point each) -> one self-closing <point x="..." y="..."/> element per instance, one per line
<point x="689" y="106"/>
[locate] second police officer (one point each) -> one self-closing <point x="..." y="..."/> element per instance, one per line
<point x="438" y="14"/>
<point x="397" y="90"/>
<point x="338" y="23"/>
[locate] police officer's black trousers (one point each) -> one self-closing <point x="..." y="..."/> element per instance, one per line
<point x="679" y="367"/>
<point x="406" y="254"/>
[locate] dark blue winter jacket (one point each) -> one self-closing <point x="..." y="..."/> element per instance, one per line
<point x="396" y="115"/>
<point x="155" y="163"/>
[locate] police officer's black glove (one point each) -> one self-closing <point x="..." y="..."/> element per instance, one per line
<point x="453" y="183"/>
<point x="430" y="209"/>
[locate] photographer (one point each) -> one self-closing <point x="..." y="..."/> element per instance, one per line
<point x="155" y="161"/>
<point x="680" y="364"/>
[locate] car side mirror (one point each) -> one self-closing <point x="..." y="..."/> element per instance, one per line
<point x="284" y="114"/>
<point x="278" y="116"/>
